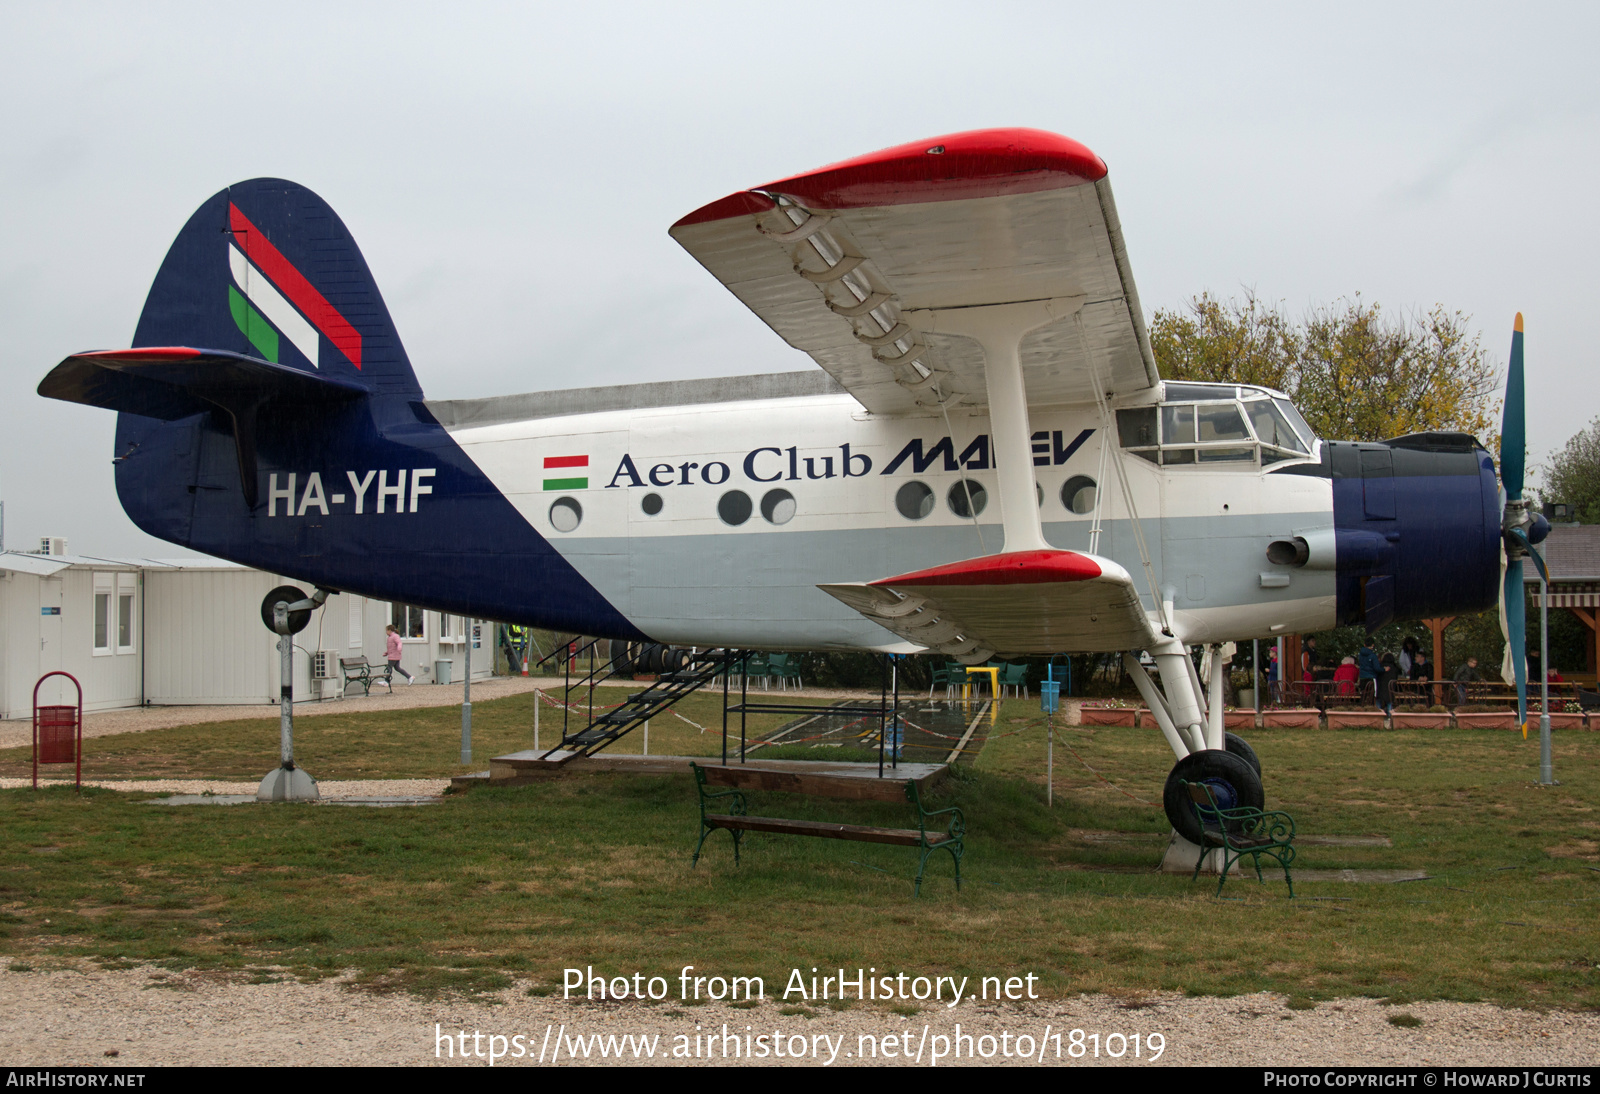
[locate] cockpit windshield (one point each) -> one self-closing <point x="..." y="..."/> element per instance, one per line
<point x="1216" y="424"/>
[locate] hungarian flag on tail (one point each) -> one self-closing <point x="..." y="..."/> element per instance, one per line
<point x="272" y="301"/>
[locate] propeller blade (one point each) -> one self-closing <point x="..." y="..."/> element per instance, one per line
<point x="1513" y="606"/>
<point x="1527" y="545"/>
<point x="1513" y="424"/>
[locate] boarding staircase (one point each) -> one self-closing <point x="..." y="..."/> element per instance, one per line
<point x="695" y="671"/>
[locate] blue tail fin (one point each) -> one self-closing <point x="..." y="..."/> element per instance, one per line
<point x="267" y="270"/>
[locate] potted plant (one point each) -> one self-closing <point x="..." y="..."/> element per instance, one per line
<point x="1355" y="719"/>
<point x="1420" y="716"/>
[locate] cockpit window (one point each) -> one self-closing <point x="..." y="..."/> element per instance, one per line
<point x="1271" y="426"/>
<point x="1291" y="412"/>
<point x="1222" y="422"/>
<point x="1217" y="430"/>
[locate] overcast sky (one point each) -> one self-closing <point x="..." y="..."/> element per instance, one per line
<point x="510" y="173"/>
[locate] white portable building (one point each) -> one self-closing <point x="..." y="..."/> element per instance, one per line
<point x="185" y="632"/>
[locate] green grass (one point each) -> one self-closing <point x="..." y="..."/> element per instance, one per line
<point x="505" y="885"/>
<point x="370" y="742"/>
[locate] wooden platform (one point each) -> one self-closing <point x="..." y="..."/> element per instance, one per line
<point x="794" y="776"/>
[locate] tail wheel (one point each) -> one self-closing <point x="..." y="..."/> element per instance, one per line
<point x="1241" y="748"/>
<point x="285" y="594"/>
<point x="1234" y="784"/>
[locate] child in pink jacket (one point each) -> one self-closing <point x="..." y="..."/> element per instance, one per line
<point x="392" y="653"/>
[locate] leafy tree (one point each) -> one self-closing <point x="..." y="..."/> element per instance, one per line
<point x="1574" y="475"/>
<point x="1354" y="373"/>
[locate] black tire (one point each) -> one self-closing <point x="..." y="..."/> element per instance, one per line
<point x="1241" y="748"/>
<point x="286" y="594"/>
<point x="1234" y="782"/>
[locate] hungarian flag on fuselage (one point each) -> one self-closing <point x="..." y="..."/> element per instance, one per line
<point x="272" y="301"/>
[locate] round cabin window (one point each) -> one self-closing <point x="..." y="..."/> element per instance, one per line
<point x="651" y="504"/>
<point x="778" y="506"/>
<point x="1079" y="494"/>
<point x="566" y="514"/>
<point x="734" y="507"/>
<point x="967" y="498"/>
<point x="914" y="500"/>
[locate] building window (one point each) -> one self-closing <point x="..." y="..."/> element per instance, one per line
<point x="410" y="620"/>
<point x="104" y="595"/>
<point x="127" y="588"/>
<point x="451" y="627"/>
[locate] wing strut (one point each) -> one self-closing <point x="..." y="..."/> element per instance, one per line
<point x="999" y="329"/>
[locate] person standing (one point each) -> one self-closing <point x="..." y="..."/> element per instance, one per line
<point x="1367" y="666"/>
<point x="1466" y="674"/>
<point x="1408" y="654"/>
<point x="1388" y="673"/>
<point x="391" y="653"/>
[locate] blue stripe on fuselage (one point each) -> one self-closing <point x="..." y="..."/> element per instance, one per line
<point x="466" y="549"/>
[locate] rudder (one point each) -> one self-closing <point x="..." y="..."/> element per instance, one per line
<point x="266" y="269"/>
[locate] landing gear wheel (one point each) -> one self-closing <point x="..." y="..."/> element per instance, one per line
<point x="1234" y="784"/>
<point x="1241" y="748"/>
<point x="286" y="594"/>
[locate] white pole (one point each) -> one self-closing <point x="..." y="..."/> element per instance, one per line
<point x="537" y="703"/>
<point x="466" y="701"/>
<point x="1050" y="763"/>
<point x="647" y="736"/>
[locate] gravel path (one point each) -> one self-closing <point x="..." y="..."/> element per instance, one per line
<point x="150" y="1017"/>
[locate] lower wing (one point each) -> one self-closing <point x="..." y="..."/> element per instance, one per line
<point x="1025" y="602"/>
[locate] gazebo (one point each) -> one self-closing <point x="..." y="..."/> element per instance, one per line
<point x="1572" y="554"/>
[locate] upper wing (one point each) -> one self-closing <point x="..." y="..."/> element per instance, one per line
<point x="840" y="262"/>
<point x="1012" y="604"/>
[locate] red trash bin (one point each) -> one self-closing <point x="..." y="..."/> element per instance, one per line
<point x="58" y="732"/>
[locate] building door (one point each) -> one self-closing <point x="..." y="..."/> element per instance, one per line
<point x="50" y="651"/>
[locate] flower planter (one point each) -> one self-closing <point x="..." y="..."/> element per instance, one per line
<point x="1561" y="720"/>
<point x="1421" y="720"/>
<point x="1292" y="719"/>
<point x="1107" y="716"/>
<point x="1506" y="720"/>
<point x="1238" y="719"/>
<point x="1355" y="719"/>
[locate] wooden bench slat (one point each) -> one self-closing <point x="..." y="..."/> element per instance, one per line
<point x="820" y="786"/>
<point x="899" y="837"/>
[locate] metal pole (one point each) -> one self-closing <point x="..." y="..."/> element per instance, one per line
<point x="883" y="710"/>
<point x="1255" y="669"/>
<point x="894" y="674"/>
<point x="1546" y="775"/>
<point x="466" y="700"/>
<point x="286" y="701"/>
<point x="725" y="719"/>
<point x="744" y="692"/>
<point x="1050" y="762"/>
<point x="538" y="701"/>
<point x="647" y="736"/>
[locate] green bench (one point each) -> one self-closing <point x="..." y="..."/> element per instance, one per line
<point x="1240" y="832"/>
<point x="734" y="781"/>
<point x="358" y="670"/>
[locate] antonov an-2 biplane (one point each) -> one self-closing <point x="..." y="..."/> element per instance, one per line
<point x="986" y="464"/>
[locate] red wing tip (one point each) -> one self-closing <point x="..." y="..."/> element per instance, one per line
<point x="1014" y="568"/>
<point x="143" y="353"/>
<point x="977" y="163"/>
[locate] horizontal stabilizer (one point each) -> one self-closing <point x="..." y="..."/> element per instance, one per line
<point x="174" y="382"/>
<point x="1023" y="602"/>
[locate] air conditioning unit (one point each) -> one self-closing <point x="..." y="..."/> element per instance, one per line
<point x="325" y="665"/>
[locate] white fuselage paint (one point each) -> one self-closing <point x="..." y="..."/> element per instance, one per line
<point x="684" y="575"/>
